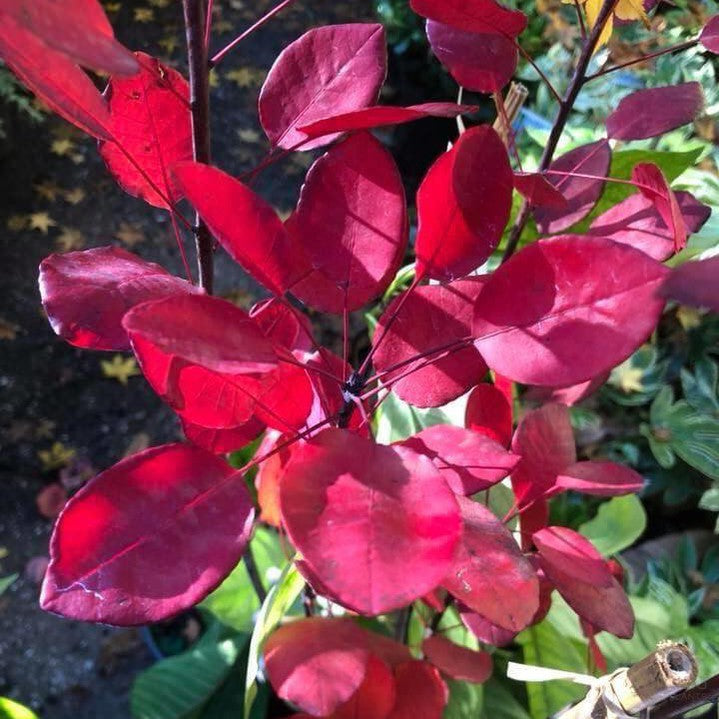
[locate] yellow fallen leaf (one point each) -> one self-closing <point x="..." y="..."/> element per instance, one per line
<point x="56" y="457"/>
<point x="41" y="221"/>
<point x="120" y="368"/>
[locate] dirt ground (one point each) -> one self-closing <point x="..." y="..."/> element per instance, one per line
<point x="56" y="195"/>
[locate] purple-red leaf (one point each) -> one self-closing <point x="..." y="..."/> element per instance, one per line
<point x="537" y="189"/>
<point x="77" y="28"/>
<point x="580" y="193"/>
<point x="244" y="224"/>
<point x="456" y="233"/>
<point x="55" y="79"/>
<point x="375" y="697"/>
<point x="600" y="478"/>
<point x="480" y="16"/>
<point x="566" y="309"/>
<point x="569" y="552"/>
<point x="328" y="71"/>
<point x="489" y="413"/>
<point x="381" y="115"/>
<point x="86" y="294"/>
<point x="695" y="284"/>
<point x="150" y="114"/>
<point x="487" y="632"/>
<point x="636" y="221"/>
<point x="430" y="323"/>
<point x="652" y="112"/>
<point x="351" y="223"/>
<point x="148" y="538"/>
<point x="317" y="664"/>
<point x="483" y="62"/>
<point x="456" y="662"/>
<point x="469" y="461"/>
<point x="490" y="574"/>
<point x="545" y="442"/>
<point x="378" y="525"/>
<point x="223" y="441"/>
<point x="709" y="37"/>
<point x="421" y="693"/>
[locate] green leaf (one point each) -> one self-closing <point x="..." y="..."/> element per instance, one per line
<point x="278" y="602"/>
<point x="175" y="687"/>
<point x="703" y="639"/>
<point x="695" y="438"/>
<point x="235" y="602"/>
<point x="12" y="710"/>
<point x="465" y="700"/>
<point x="5" y="583"/>
<point x="617" y="525"/>
<point x="661" y="450"/>
<point x="700" y="388"/>
<point x="501" y="702"/>
<point x="544" y="646"/>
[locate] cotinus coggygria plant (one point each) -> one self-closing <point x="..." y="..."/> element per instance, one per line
<point x="376" y="530"/>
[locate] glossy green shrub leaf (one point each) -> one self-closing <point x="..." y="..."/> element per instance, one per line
<point x="700" y="386"/>
<point x="5" y="582"/>
<point x="617" y="525"/>
<point x="695" y="438"/>
<point x="12" y="710"/>
<point x="175" y="687"/>
<point x="465" y="700"/>
<point x="501" y="702"/>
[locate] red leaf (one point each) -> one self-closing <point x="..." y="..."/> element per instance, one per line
<point x="328" y="71"/>
<point x="580" y="193"/>
<point x="599" y="478"/>
<point x="539" y="190"/>
<point x="222" y="441"/>
<point x="490" y="574"/>
<point x="654" y="186"/>
<point x="284" y="325"/>
<point x="469" y="461"/>
<point x="351" y="222"/>
<point x="545" y="442"/>
<point x="483" y="62"/>
<point x="652" y="112"/>
<point x="244" y="224"/>
<point x="694" y="283"/>
<point x="489" y="413"/>
<point x="375" y="697"/>
<point x="377" y="524"/>
<point x="570" y="395"/>
<point x="54" y="79"/>
<point x="709" y="37"/>
<point x="151" y="121"/>
<point x="381" y="115"/>
<point x="87" y="293"/>
<point x="317" y="664"/>
<point x="635" y="221"/>
<point x="147" y="538"/>
<point x="460" y="663"/>
<point x="223" y="339"/>
<point x="481" y="16"/>
<point x="269" y="474"/>
<point x="421" y="693"/>
<point x="431" y="319"/>
<point x="566" y="309"/>
<point x="567" y="551"/>
<point x="487" y="632"/>
<point x="388" y="650"/>
<point x="76" y="28"/>
<point x="456" y="234"/>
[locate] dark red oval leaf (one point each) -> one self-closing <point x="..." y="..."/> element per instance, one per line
<point x="223" y="441"/>
<point x="328" y="71"/>
<point x="537" y="189"/>
<point x="487" y="632"/>
<point x="709" y="37"/>
<point x="77" y="28"/>
<point x="695" y="284"/>
<point x="580" y="193"/>
<point x="600" y="478"/>
<point x="381" y="115"/>
<point x="483" y="62"/>
<point x="421" y="693"/>
<point x="377" y="524"/>
<point x="283" y="324"/>
<point x="148" y="537"/>
<point x="150" y="114"/>
<point x="635" y="221"/>
<point x="244" y="224"/>
<point x="460" y="663"/>
<point x="566" y="309"/>
<point x="481" y="16"/>
<point x="545" y="443"/>
<point x="86" y="294"/>
<point x="455" y="233"/>
<point x="469" y="461"/>
<point x="424" y="341"/>
<point x="351" y="221"/>
<point x="489" y="413"/>
<point x="317" y="664"/>
<point x="375" y="697"/>
<point x="652" y="112"/>
<point x="569" y="552"/>
<point x="490" y="574"/>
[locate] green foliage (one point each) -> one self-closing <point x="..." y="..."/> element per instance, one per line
<point x="12" y="710"/>
<point x="617" y="525"/>
<point x="5" y="582"/>
<point x="12" y="93"/>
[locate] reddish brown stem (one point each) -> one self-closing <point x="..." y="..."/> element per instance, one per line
<point x="200" y="108"/>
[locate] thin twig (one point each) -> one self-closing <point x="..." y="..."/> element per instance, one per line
<point x="254" y="575"/>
